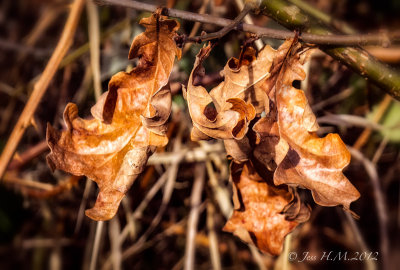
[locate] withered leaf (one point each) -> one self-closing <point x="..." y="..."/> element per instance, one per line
<point x="258" y="216"/>
<point x="112" y="149"/>
<point x="225" y="112"/>
<point x="311" y="162"/>
<point x="283" y="143"/>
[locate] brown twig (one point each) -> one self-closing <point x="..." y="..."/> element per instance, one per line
<point x="96" y="245"/>
<point x="94" y="43"/>
<point x="387" y="55"/>
<point x="26" y="49"/>
<point x="12" y="178"/>
<point x="212" y="237"/>
<point x="225" y="30"/>
<point x="364" y="136"/>
<point x="357" y="59"/>
<point x="239" y="5"/>
<point x="196" y="26"/>
<point x="381" y="208"/>
<point x="41" y="86"/>
<point x="38" y="189"/>
<point x="344" y="40"/>
<point x="195" y="202"/>
<point x="81" y="211"/>
<point x="116" y="244"/>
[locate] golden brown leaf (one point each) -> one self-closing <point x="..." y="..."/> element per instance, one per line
<point x="311" y="162"/>
<point x="112" y="149"/>
<point x="283" y="146"/>
<point x="258" y="216"/>
<point x="225" y="112"/>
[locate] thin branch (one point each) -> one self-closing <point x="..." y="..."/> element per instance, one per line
<point x="41" y="86"/>
<point x="81" y="211"/>
<point x="325" y="18"/>
<point x="369" y="264"/>
<point x="32" y="152"/>
<point x="26" y="49"/>
<point x="355" y="58"/>
<point x="333" y="99"/>
<point x="382" y="108"/>
<point x="256" y="253"/>
<point x="348" y="120"/>
<point x="38" y="189"/>
<point x="344" y="40"/>
<point x="195" y="201"/>
<point x="169" y="186"/>
<point x="197" y="25"/>
<point x="220" y="193"/>
<point x="35" y="243"/>
<point x="94" y="43"/>
<point x="226" y="29"/>
<point x="116" y="244"/>
<point x="239" y="4"/>
<point x="139" y="210"/>
<point x="96" y="245"/>
<point x="212" y="237"/>
<point x="198" y="154"/>
<point x="11" y="178"/>
<point x="381" y="208"/>
<point x="292" y="17"/>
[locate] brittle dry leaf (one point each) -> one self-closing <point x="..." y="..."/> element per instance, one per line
<point x="283" y="146"/>
<point x="225" y="112"/>
<point x="129" y="123"/>
<point x="311" y="162"/>
<point x="258" y="216"/>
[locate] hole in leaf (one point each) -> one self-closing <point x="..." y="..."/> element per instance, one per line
<point x="296" y="84"/>
<point x="210" y="112"/>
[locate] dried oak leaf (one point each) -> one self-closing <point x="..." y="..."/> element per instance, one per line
<point x="112" y="149"/>
<point x="258" y="216"/>
<point x="311" y="162"/>
<point x="225" y="112"/>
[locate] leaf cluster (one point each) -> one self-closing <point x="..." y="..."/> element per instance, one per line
<point x="267" y="126"/>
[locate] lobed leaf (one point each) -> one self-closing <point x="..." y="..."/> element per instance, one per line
<point x="129" y="121"/>
<point x="311" y="162"/>
<point x="279" y="153"/>
<point x="226" y="111"/>
<point x="258" y="216"/>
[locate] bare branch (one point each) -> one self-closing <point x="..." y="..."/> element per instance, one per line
<point x="345" y="40"/>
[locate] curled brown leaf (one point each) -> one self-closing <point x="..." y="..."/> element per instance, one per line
<point x="258" y="216"/>
<point x="283" y="145"/>
<point x="112" y="149"/>
<point x="225" y="112"/>
<point x="311" y="162"/>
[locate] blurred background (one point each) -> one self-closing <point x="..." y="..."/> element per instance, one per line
<point x="42" y="221"/>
